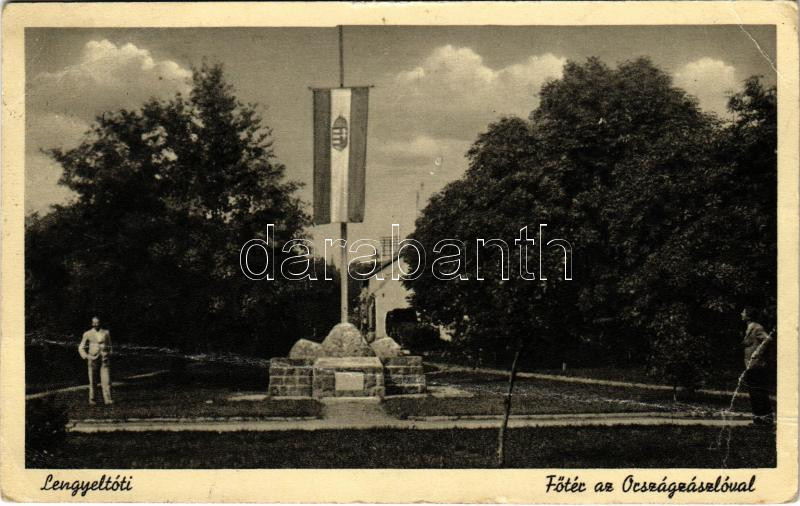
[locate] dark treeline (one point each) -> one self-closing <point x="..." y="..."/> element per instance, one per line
<point x="671" y="213"/>
<point x="166" y="197"/>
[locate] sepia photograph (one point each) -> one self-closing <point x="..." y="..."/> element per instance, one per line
<point x="405" y="246"/>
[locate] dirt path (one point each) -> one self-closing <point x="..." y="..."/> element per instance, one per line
<point x="346" y="411"/>
<point x="344" y="415"/>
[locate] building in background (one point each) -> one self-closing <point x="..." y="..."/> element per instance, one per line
<point x="390" y="295"/>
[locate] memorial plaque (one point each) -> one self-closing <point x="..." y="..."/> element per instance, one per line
<point x="349" y="381"/>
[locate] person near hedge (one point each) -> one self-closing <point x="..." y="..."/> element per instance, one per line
<point x="756" y="345"/>
<point x="95" y="348"/>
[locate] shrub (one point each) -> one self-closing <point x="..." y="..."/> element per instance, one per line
<point x="45" y="428"/>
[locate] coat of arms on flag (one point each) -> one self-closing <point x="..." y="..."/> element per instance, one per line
<point x="340" y="153"/>
<point x="339" y="134"/>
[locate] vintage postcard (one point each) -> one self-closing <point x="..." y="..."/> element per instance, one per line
<point x="382" y="252"/>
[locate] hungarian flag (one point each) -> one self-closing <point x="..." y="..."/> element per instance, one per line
<point x="340" y="154"/>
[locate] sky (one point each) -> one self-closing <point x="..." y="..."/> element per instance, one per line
<point x="435" y="89"/>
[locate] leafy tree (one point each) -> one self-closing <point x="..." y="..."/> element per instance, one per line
<point x="723" y="256"/>
<point x="622" y="145"/>
<point x="166" y="197"/>
<point x="647" y="188"/>
<point x="750" y="147"/>
<point x="498" y="195"/>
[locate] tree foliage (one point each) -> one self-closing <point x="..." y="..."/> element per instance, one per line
<point x="166" y="197"/>
<point x="670" y="212"/>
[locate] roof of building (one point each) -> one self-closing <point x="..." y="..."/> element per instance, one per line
<point x="387" y="263"/>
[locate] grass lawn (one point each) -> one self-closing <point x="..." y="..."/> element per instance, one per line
<point x="201" y="389"/>
<point x="50" y="366"/>
<point x="723" y="380"/>
<point x="532" y="396"/>
<point x="200" y="392"/>
<point x="550" y="447"/>
<point x="191" y="389"/>
<point x="720" y="380"/>
<point x="522" y="404"/>
<point x="167" y="402"/>
<point x="158" y="397"/>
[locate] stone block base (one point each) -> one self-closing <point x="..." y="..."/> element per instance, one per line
<point x="290" y="377"/>
<point x="404" y="375"/>
<point x="346" y="377"/>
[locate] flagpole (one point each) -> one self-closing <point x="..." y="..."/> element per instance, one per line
<point x="341" y="56"/>
<point x="344" y="275"/>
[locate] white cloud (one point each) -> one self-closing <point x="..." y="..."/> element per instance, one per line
<point x="61" y="105"/>
<point x="445" y="102"/>
<point x="454" y="91"/>
<point x="106" y="77"/>
<point x="710" y="80"/>
<point x="451" y="67"/>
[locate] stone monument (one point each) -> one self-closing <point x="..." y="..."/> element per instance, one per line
<point x="345" y="365"/>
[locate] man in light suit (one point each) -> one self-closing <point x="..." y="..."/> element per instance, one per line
<point x="95" y="348"/>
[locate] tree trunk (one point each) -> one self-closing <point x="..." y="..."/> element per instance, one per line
<point x="501" y="440"/>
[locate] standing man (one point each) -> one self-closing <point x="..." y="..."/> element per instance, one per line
<point x="756" y="343"/>
<point x="95" y="348"/>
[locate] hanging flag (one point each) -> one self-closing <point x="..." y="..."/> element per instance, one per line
<point x="340" y="154"/>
